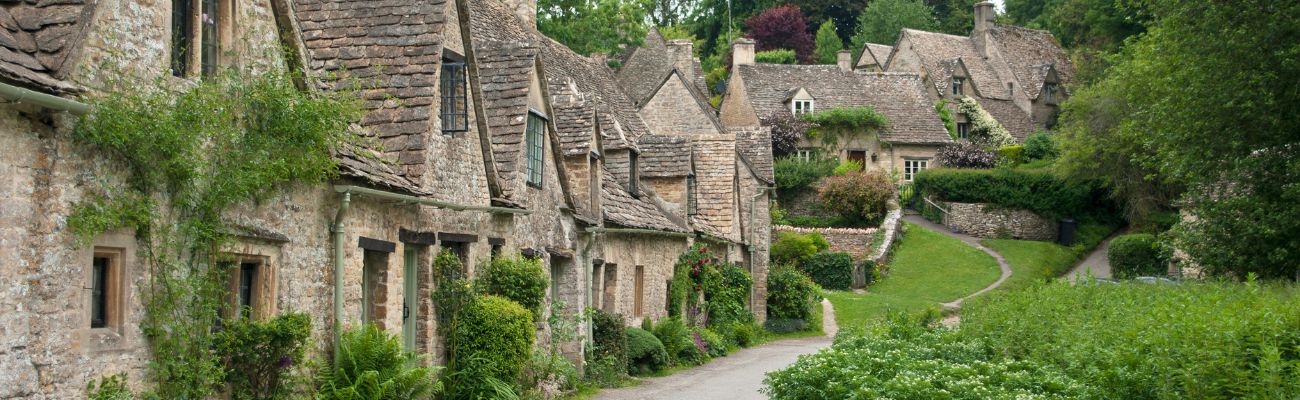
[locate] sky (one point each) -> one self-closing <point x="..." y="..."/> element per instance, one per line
<point x="999" y="6"/>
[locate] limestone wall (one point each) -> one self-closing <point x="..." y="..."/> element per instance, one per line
<point x="615" y="287"/>
<point x="982" y="220"/>
<point x="856" y="242"/>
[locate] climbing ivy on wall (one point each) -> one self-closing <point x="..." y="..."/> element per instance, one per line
<point x="190" y="156"/>
<point x="983" y="128"/>
<point x="831" y="125"/>
<point x="941" y="107"/>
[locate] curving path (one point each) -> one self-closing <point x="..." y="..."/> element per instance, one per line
<point x="973" y="242"/>
<point x="738" y="376"/>
<point x="1096" y="264"/>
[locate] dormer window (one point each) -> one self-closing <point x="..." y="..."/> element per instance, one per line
<point x="535" y="133"/>
<point x="1049" y="92"/>
<point x="801" y="107"/>
<point x="633" y="175"/>
<point x="455" y="109"/>
<point x="957" y="86"/>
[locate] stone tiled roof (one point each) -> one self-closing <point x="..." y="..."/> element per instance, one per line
<point x="504" y="70"/>
<point x="934" y="49"/>
<point x="645" y="67"/>
<point x="874" y="54"/>
<point x="755" y="148"/>
<point x="622" y="209"/>
<point x="1031" y="54"/>
<point x="899" y="96"/>
<point x="575" y="117"/>
<point x="394" y="48"/>
<point x="715" y="172"/>
<point x="664" y="156"/>
<point x="1010" y="116"/>
<point x="369" y="166"/>
<point x="37" y="38"/>
<point x="620" y="125"/>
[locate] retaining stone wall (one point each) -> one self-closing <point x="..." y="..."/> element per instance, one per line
<point x="982" y="220"/>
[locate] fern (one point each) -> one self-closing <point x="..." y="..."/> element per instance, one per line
<point x="372" y="366"/>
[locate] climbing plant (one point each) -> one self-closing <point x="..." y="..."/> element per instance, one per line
<point x="190" y="156"/>
<point x="984" y="129"/>
<point x="941" y="107"/>
<point x="842" y="122"/>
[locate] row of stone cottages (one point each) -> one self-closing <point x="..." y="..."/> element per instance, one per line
<point x="1018" y="75"/>
<point x="494" y="139"/>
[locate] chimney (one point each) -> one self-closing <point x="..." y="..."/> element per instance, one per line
<point x="682" y="52"/>
<point x="845" y="60"/>
<point x="526" y="10"/>
<point x="742" y="52"/>
<point x="984" y="16"/>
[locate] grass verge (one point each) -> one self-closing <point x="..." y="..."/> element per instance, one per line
<point x="1032" y="262"/>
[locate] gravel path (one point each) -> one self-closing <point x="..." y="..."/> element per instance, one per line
<point x="1096" y="263"/>
<point x="973" y="242"/>
<point x="737" y="376"/>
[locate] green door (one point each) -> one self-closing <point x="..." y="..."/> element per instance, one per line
<point x="409" y="303"/>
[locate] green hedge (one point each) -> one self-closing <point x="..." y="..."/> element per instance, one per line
<point x="790" y="295"/>
<point x="1136" y="255"/>
<point x="794" y="247"/>
<point x="1041" y="192"/>
<point x="493" y="339"/>
<point x="517" y="278"/>
<point x="609" y="335"/>
<point x="645" y="352"/>
<point x="830" y="270"/>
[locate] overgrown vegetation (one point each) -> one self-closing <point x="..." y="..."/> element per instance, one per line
<point x="984" y="129"/>
<point x="794" y="175"/>
<point x="191" y="156"/>
<point x="791" y="296"/>
<point x="260" y="355"/>
<point x="831" y="125"/>
<point x="859" y="197"/>
<point x="372" y="365"/>
<point x="1135" y="255"/>
<point x="492" y="341"/>
<point x="520" y="279"/>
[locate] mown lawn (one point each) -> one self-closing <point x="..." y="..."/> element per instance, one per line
<point x="1032" y="262"/>
<point x="928" y="268"/>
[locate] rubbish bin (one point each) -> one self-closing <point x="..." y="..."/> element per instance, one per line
<point x="1065" y="232"/>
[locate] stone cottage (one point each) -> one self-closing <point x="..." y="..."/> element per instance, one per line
<point x="489" y="139"/>
<point x="1018" y="75"/>
<point x="907" y="145"/>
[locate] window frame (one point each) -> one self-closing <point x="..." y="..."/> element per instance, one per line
<point x="1049" y="91"/>
<point x="110" y="290"/>
<point x="634" y="174"/>
<point x="912" y="166"/>
<point x="201" y="31"/>
<point x="453" y="62"/>
<point x="638" y="292"/>
<point x="958" y="88"/>
<point x="535" y="147"/>
<point x="963" y="130"/>
<point x="808" y="107"/>
<point x="805" y="154"/>
<point x="692" y="205"/>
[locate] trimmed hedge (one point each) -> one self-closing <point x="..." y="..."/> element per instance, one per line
<point x="1136" y="255"/>
<point x="645" y="352"/>
<point x="520" y="279"/>
<point x="493" y="339"/>
<point x="1041" y="192"/>
<point x="830" y="270"/>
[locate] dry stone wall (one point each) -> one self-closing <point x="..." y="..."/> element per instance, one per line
<point x="983" y="220"/>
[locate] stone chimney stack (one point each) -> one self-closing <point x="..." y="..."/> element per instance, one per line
<point x="984" y="16"/>
<point x="742" y="52"/>
<point x="526" y="10"/>
<point x="845" y="60"/>
<point x="682" y="52"/>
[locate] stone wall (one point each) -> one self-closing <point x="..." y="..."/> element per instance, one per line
<point x="615" y="287"/>
<point x="982" y="220"/>
<point x="664" y="113"/>
<point x="856" y="242"/>
<point x="804" y="203"/>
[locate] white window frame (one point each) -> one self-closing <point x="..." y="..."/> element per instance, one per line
<point x="801" y="107"/>
<point x="957" y="86"/>
<point x="912" y="166"/>
<point x="805" y="155"/>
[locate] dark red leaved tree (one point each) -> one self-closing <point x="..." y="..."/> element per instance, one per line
<point x="782" y="27"/>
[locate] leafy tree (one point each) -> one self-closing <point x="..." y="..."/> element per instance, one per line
<point x="679" y="32"/>
<point x="883" y="20"/>
<point x="782" y="28"/>
<point x="778" y="56"/>
<point x="594" y="26"/>
<point x="955" y="17"/>
<point x="828" y="43"/>
<point x="787" y="130"/>
<point x="1218" y="122"/>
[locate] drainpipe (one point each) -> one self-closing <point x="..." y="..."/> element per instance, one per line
<point x="426" y="201"/>
<point x="340" y="238"/>
<point x="639" y="231"/>
<point x="753" y="251"/>
<point x="19" y="95"/>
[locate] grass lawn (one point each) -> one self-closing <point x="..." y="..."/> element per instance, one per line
<point x="928" y="268"/>
<point x="1032" y="262"/>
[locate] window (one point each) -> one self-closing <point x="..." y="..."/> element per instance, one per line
<point x="99" y="292"/>
<point x="1049" y="92"/>
<point x="455" y="107"/>
<point x="536" y="129"/>
<point x="805" y="154"/>
<point x="801" y="107"/>
<point x="860" y="157"/>
<point x="610" y="288"/>
<point x="633" y="175"/>
<point x="244" y="295"/>
<point x="638" y="304"/>
<point x="597" y="289"/>
<point x="911" y="167"/>
<point x="460" y="249"/>
<point x="691" y="206"/>
<point x="211" y="16"/>
<point x="963" y="130"/>
<point x="105" y="288"/>
<point x="957" y="86"/>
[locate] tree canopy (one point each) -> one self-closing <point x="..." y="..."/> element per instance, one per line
<point x="882" y="21"/>
<point x="782" y="27"/>
<point x="828" y="43"/>
<point x="594" y="26"/>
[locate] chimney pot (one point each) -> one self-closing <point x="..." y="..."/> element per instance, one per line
<point x="742" y="52"/>
<point x="984" y="16"/>
<point x="845" y="60"/>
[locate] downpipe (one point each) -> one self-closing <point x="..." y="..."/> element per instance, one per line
<point x="339" y="231"/>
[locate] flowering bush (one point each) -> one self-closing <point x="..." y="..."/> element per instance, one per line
<point x="787" y="129"/>
<point x="260" y="355"/>
<point x="860" y="197"/>
<point x="964" y="154"/>
<point x="985" y="130"/>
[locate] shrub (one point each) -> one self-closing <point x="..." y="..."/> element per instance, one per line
<point x="787" y="130"/>
<point x="112" y="387"/>
<point x="725" y="296"/>
<point x="870" y="271"/>
<point x="965" y="154"/>
<point x="452" y="292"/>
<point x="794" y="175"/>
<point x="861" y="196"/>
<point x="1136" y="255"/>
<point x="609" y="337"/>
<point x="793" y="247"/>
<point x="645" y="352"/>
<point x="714" y="344"/>
<point x="830" y="270"/>
<point x="1040" y="192"/>
<point x="782" y="27"/>
<point x="899" y="361"/>
<point x="520" y="279"/>
<point x="678" y="342"/>
<point x="846" y="167"/>
<point x="372" y="365"/>
<point x="549" y="375"/>
<point x="779" y="56"/>
<point x="1014" y="155"/>
<point x="745" y="334"/>
<point x="605" y="372"/>
<point x="493" y="339"/>
<point x="1142" y="341"/>
<point x="789" y="294"/>
<point x="1041" y="146"/>
<point x="259" y="355"/>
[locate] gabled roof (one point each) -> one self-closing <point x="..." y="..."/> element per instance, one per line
<point x="715" y="179"/>
<point x="899" y="96"/>
<point x="644" y="69"/>
<point x="575" y="117"/>
<point x="935" y="49"/>
<point x="1032" y="53"/>
<point x="622" y="209"/>
<point x="664" y="156"/>
<point x="38" y="38"/>
<point x="504" y="76"/>
<point x="700" y="99"/>
<point x="874" y="54"/>
<point x="755" y="148"/>
<point x="616" y="115"/>
<point x="397" y="58"/>
<point x="1010" y="116"/>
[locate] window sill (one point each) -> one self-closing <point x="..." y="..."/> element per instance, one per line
<point x="96" y="340"/>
